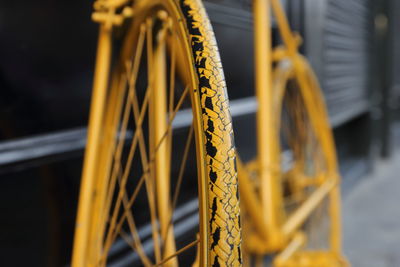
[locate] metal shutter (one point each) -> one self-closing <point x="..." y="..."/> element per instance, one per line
<point x="345" y="57"/>
<point x="337" y="42"/>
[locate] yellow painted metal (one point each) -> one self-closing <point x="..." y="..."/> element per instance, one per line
<point x="267" y="147"/>
<point x="251" y="202"/>
<point x="329" y="149"/>
<point x="112" y="114"/>
<point x="103" y="168"/>
<point x="295" y="244"/>
<point x="304" y="211"/>
<point x="306" y="258"/>
<point x="273" y="231"/>
<point x="89" y="247"/>
<point x="318" y="113"/>
<point x="158" y="127"/>
<point x="82" y="232"/>
<point x="288" y="38"/>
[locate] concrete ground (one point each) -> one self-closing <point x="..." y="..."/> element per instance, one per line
<point x="371" y="218"/>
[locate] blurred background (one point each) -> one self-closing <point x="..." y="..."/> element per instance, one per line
<point x="47" y="50"/>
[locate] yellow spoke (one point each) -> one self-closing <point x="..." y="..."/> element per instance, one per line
<point x="132" y="226"/>
<point x="179" y="104"/>
<point x="135" y="109"/>
<point x="141" y="254"/>
<point x="117" y="157"/>
<point x="118" y="152"/>
<point x="146" y="171"/>
<point x="172" y="80"/>
<point x="149" y="43"/>
<point x="129" y="205"/>
<point x="151" y="196"/>
<point x="178" y="252"/>
<point x="136" y="245"/>
<point x="143" y="155"/>
<point x="180" y="178"/>
<point x="150" y="191"/>
<point x="132" y="83"/>
<point x="126" y="171"/>
<point x="172" y="117"/>
<point x="171" y="94"/>
<point x="135" y="140"/>
<point x="113" y="113"/>
<point x="136" y="61"/>
<point x="182" y="167"/>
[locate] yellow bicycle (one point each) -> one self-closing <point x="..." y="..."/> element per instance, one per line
<point x="290" y="193"/>
<point x="136" y="202"/>
<point x="136" y="205"/>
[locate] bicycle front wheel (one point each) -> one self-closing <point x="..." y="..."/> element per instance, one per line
<point x="166" y="121"/>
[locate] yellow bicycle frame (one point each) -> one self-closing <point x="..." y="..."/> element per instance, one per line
<point x="107" y="17"/>
<point x="272" y="233"/>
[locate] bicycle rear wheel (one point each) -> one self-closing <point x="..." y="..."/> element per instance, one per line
<point x="309" y="178"/>
<point x="166" y="121"/>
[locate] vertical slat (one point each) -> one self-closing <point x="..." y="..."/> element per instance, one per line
<point x="346" y="46"/>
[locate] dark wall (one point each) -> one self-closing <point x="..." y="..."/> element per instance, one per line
<point x="47" y="51"/>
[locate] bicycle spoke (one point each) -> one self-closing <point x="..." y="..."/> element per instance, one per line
<point x="180" y="177"/>
<point x="120" y="173"/>
<point x="180" y="251"/>
<point x="141" y="254"/>
<point x="144" y="161"/>
<point x="142" y="146"/>
<point x="136" y="137"/>
<point x="182" y="167"/>
<point x="133" y="97"/>
<point x="171" y="90"/>
<point x="128" y="206"/>
<point x="146" y="171"/>
<point x="136" y="61"/>
<point x="118" y="152"/>
<point x="135" y="110"/>
<point x="149" y="47"/>
<point x="137" y="245"/>
<point x="116" y="159"/>
<point x="127" y="170"/>
<point x="172" y="78"/>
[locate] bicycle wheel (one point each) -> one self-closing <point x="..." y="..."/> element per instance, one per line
<point x="166" y="122"/>
<point x="308" y="171"/>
